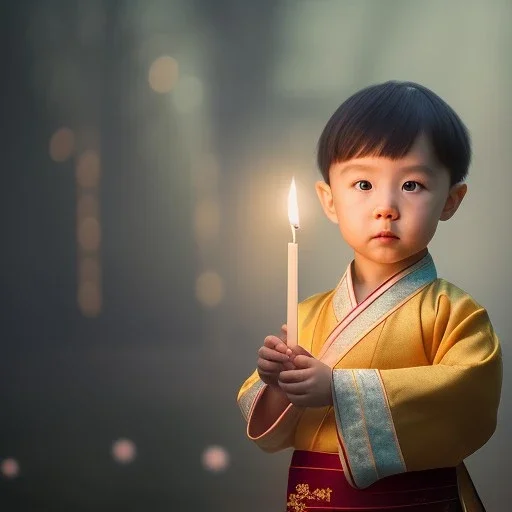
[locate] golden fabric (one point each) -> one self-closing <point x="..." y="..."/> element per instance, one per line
<point x="439" y="361"/>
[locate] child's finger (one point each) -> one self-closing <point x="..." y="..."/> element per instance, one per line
<point x="303" y="362"/>
<point x="291" y="376"/>
<point x="289" y="366"/>
<point x="282" y="348"/>
<point x="294" y="388"/>
<point x="269" y="366"/>
<point x="270" y="354"/>
<point x="275" y="343"/>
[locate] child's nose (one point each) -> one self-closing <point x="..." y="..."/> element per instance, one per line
<point x="385" y="212"/>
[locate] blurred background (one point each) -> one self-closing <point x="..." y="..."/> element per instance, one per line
<point x="147" y="150"/>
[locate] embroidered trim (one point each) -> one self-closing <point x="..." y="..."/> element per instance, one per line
<point x="341" y="302"/>
<point x="295" y="501"/>
<point x="375" y="308"/>
<point x="366" y="426"/>
<point x="246" y="401"/>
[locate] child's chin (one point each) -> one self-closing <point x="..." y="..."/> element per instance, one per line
<point x="388" y="256"/>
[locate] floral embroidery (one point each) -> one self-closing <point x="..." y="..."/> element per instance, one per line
<point x="295" y="501"/>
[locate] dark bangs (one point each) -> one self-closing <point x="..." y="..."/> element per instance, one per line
<point x="385" y="120"/>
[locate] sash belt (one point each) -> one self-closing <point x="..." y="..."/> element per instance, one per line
<point x="317" y="483"/>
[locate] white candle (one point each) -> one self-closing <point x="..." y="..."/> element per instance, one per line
<point x="293" y="266"/>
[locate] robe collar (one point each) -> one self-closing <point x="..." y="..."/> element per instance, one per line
<point x="355" y="320"/>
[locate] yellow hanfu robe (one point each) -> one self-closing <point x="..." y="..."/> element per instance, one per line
<point x="416" y="380"/>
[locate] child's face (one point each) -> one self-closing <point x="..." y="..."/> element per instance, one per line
<point x="406" y="198"/>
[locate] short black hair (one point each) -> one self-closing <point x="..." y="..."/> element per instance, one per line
<point x="385" y="120"/>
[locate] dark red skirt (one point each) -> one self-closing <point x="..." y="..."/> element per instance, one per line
<point x="317" y="483"/>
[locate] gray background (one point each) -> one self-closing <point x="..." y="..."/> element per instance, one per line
<point x="157" y="366"/>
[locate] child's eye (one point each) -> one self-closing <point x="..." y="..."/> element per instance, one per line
<point x="411" y="186"/>
<point x="363" y="185"/>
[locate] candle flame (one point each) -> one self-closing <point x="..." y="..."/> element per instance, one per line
<point x="293" y="206"/>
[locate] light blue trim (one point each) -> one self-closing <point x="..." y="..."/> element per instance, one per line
<point x="365" y="425"/>
<point x="352" y="428"/>
<point x="381" y="431"/>
<point x="422" y="273"/>
<point x="363" y="418"/>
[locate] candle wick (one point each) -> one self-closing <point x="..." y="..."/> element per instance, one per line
<point x="294" y="229"/>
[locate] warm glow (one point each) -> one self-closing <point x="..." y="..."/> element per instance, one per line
<point x="87" y="206"/>
<point x="89" y="234"/>
<point x="89" y="270"/>
<point x="62" y="144"/>
<point x="124" y="451"/>
<point x="215" y="458"/>
<point x="209" y="289"/>
<point x="88" y="169"/>
<point x="163" y="74"/>
<point x="89" y="298"/>
<point x="293" y="206"/>
<point x="10" y="468"/>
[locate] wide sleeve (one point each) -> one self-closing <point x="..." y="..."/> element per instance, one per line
<point x="281" y="433"/>
<point x="431" y="416"/>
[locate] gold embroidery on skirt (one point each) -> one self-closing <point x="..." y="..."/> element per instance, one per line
<point x="295" y="500"/>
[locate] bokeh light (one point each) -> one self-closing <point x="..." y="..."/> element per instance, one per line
<point x="89" y="270"/>
<point x="163" y="74"/>
<point x="87" y="206"/>
<point x="215" y="458"/>
<point x="10" y="468"/>
<point x="89" y="234"/>
<point x="124" y="451"/>
<point x="88" y="169"/>
<point x="62" y="144"/>
<point x="89" y="298"/>
<point x="209" y="289"/>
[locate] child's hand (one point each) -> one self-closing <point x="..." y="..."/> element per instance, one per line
<point x="273" y="358"/>
<point x="309" y="385"/>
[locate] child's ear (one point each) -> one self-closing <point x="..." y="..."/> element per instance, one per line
<point x="455" y="197"/>
<point x="324" y="193"/>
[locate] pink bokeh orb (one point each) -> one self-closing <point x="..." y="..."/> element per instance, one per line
<point x="124" y="451"/>
<point x="215" y="458"/>
<point x="10" y="468"/>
